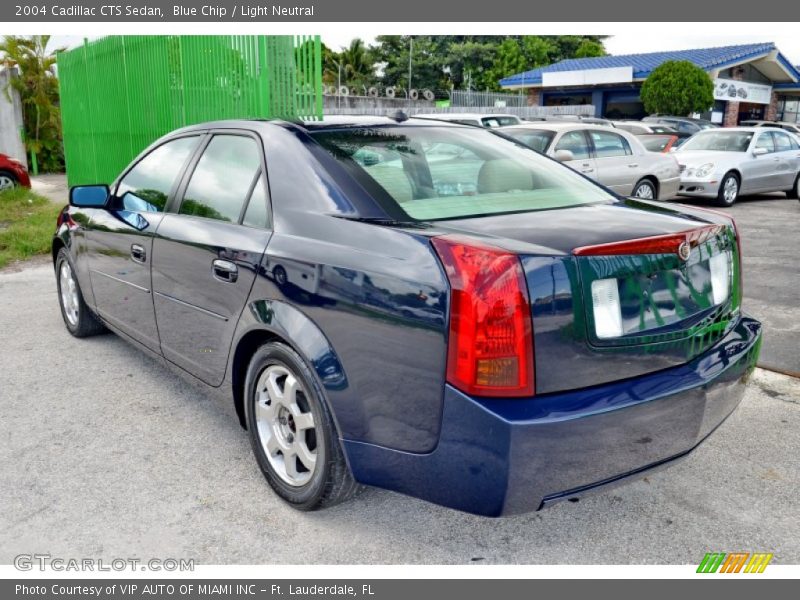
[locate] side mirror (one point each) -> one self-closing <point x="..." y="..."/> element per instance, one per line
<point x="760" y="151"/>
<point x="564" y="155"/>
<point x="89" y="196"/>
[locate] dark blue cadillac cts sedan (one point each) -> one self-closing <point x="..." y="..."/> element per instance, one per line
<point x="420" y="306"/>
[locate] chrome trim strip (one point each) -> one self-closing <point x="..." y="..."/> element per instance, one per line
<point x="182" y="303"/>
<point x="117" y="279"/>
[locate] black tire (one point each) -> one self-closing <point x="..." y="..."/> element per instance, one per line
<point x="648" y="184"/>
<point x="721" y="200"/>
<point x="280" y="275"/>
<point x="331" y="481"/>
<point x="795" y="191"/>
<point x="86" y="322"/>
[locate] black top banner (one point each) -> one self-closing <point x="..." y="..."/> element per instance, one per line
<point x="390" y="11"/>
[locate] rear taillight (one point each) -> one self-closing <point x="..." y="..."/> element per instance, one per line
<point x="490" y="348"/>
<point x="669" y="243"/>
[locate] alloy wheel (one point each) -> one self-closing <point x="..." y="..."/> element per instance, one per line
<point x="286" y="425"/>
<point x="69" y="293"/>
<point x="731" y="190"/>
<point x="6" y="183"/>
<point x="644" y="191"/>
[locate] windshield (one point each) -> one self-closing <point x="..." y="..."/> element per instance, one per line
<point x="719" y="141"/>
<point x="438" y="172"/>
<point x="538" y="139"/>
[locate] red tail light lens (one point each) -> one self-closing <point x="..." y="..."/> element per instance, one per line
<point x="490" y="350"/>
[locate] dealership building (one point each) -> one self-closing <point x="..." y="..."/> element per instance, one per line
<point x="751" y="81"/>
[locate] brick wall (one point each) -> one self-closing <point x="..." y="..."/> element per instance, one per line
<point x="771" y="112"/>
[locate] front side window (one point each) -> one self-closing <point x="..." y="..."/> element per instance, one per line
<point x="445" y="172"/>
<point x="764" y="141"/>
<point x="222" y="178"/>
<point x="146" y="187"/>
<point x="607" y="144"/>
<point x="575" y="142"/>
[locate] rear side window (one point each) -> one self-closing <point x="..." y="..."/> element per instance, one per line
<point x="222" y="178"/>
<point x="575" y="142"/>
<point x="147" y="185"/>
<point x="783" y="142"/>
<point x="256" y="214"/>
<point x="608" y="144"/>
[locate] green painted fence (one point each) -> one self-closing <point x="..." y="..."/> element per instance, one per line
<point x="120" y="93"/>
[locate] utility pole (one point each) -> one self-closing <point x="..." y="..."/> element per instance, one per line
<point x="410" y="54"/>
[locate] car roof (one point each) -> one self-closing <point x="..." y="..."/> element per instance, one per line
<point x="740" y="129"/>
<point x="329" y="122"/>
<point x="447" y="116"/>
<point x="556" y="126"/>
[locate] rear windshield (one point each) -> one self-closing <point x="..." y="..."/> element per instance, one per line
<point x="436" y="172"/>
<point x="538" y="139"/>
<point x="655" y="143"/>
<point x="499" y="121"/>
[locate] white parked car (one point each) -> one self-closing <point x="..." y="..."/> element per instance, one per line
<point x="478" y="119"/>
<point x="615" y="158"/>
<point x="722" y="164"/>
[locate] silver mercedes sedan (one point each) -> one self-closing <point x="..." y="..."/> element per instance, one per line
<point x="614" y="158"/>
<point x="722" y="164"/>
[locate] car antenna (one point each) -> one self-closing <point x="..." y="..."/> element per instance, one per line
<point x="399" y="116"/>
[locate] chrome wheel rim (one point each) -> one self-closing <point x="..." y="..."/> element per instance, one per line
<point x="731" y="190"/>
<point x="286" y="426"/>
<point x="644" y="191"/>
<point x="69" y="293"/>
<point x="6" y="183"/>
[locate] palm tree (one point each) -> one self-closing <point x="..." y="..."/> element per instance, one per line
<point x="37" y="85"/>
<point x="354" y="63"/>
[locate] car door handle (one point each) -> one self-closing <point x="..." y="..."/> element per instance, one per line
<point x="138" y="253"/>
<point x="225" y="270"/>
<point x="633" y="165"/>
<point x="587" y="170"/>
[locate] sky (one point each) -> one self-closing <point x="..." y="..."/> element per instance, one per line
<point x="788" y="44"/>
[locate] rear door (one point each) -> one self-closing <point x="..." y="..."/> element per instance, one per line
<point x="617" y="167"/>
<point x="577" y="143"/>
<point x="120" y="239"/>
<point x="787" y="149"/>
<point x="207" y="251"/>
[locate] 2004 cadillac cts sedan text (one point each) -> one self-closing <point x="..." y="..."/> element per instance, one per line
<point x="420" y="306"/>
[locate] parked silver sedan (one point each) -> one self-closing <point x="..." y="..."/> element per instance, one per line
<point x="615" y="158"/>
<point x="722" y="164"/>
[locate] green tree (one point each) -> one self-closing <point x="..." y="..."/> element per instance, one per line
<point x="355" y="64"/>
<point x="37" y="85"/>
<point x="677" y="88"/>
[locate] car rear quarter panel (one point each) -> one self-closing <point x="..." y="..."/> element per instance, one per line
<point x="376" y="294"/>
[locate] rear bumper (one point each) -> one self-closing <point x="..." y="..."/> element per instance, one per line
<point x="500" y="457"/>
<point x="668" y="188"/>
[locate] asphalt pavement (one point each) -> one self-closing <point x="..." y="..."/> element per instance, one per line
<point x="107" y="454"/>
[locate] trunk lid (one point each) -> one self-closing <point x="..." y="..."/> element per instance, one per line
<point x="611" y="294"/>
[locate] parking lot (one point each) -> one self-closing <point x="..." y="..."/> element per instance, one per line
<point x="107" y="454"/>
